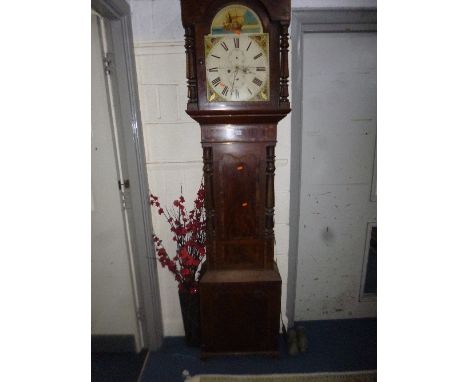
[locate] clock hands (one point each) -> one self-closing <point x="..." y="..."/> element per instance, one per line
<point x="237" y="75"/>
<point x="234" y="79"/>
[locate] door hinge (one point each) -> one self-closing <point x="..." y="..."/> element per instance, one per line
<point x="124" y="184"/>
<point x="140" y="314"/>
<point x="108" y="64"/>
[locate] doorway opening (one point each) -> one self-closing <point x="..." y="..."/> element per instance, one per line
<point x="333" y="144"/>
<point x="124" y="270"/>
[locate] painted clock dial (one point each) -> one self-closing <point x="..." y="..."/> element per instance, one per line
<point x="237" y="68"/>
<point x="237" y="57"/>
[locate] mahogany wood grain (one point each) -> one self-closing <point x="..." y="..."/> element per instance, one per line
<point x="241" y="289"/>
<point x="242" y="308"/>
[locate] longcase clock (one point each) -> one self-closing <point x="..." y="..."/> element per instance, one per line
<point x="237" y="72"/>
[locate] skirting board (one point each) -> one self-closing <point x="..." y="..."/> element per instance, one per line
<point x="113" y="343"/>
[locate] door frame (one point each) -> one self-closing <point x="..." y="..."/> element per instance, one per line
<point x="117" y="12"/>
<point x="320" y="20"/>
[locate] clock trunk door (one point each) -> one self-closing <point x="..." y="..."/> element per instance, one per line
<point x="239" y="183"/>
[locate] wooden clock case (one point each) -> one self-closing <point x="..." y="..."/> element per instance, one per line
<point x="240" y="292"/>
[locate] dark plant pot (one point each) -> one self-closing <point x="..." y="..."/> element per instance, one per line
<point x="190" y="306"/>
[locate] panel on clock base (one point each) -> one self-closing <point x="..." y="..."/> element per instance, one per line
<point x="240" y="312"/>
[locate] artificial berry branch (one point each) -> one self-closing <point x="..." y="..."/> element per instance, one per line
<point x="189" y="229"/>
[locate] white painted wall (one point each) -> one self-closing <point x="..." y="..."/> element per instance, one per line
<point x="172" y="139"/>
<point x="338" y="144"/>
<point x="333" y="3"/>
<point x="172" y="145"/>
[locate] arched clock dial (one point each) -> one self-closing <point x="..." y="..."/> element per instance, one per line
<point x="237" y="67"/>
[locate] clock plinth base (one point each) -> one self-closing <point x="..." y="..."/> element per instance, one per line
<point x="240" y="312"/>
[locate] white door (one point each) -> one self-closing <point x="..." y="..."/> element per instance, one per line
<point x="337" y="199"/>
<point x="113" y="298"/>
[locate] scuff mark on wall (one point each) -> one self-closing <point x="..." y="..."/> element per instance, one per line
<point x="328" y="235"/>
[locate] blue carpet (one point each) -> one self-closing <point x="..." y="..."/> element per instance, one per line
<point x="334" y="345"/>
